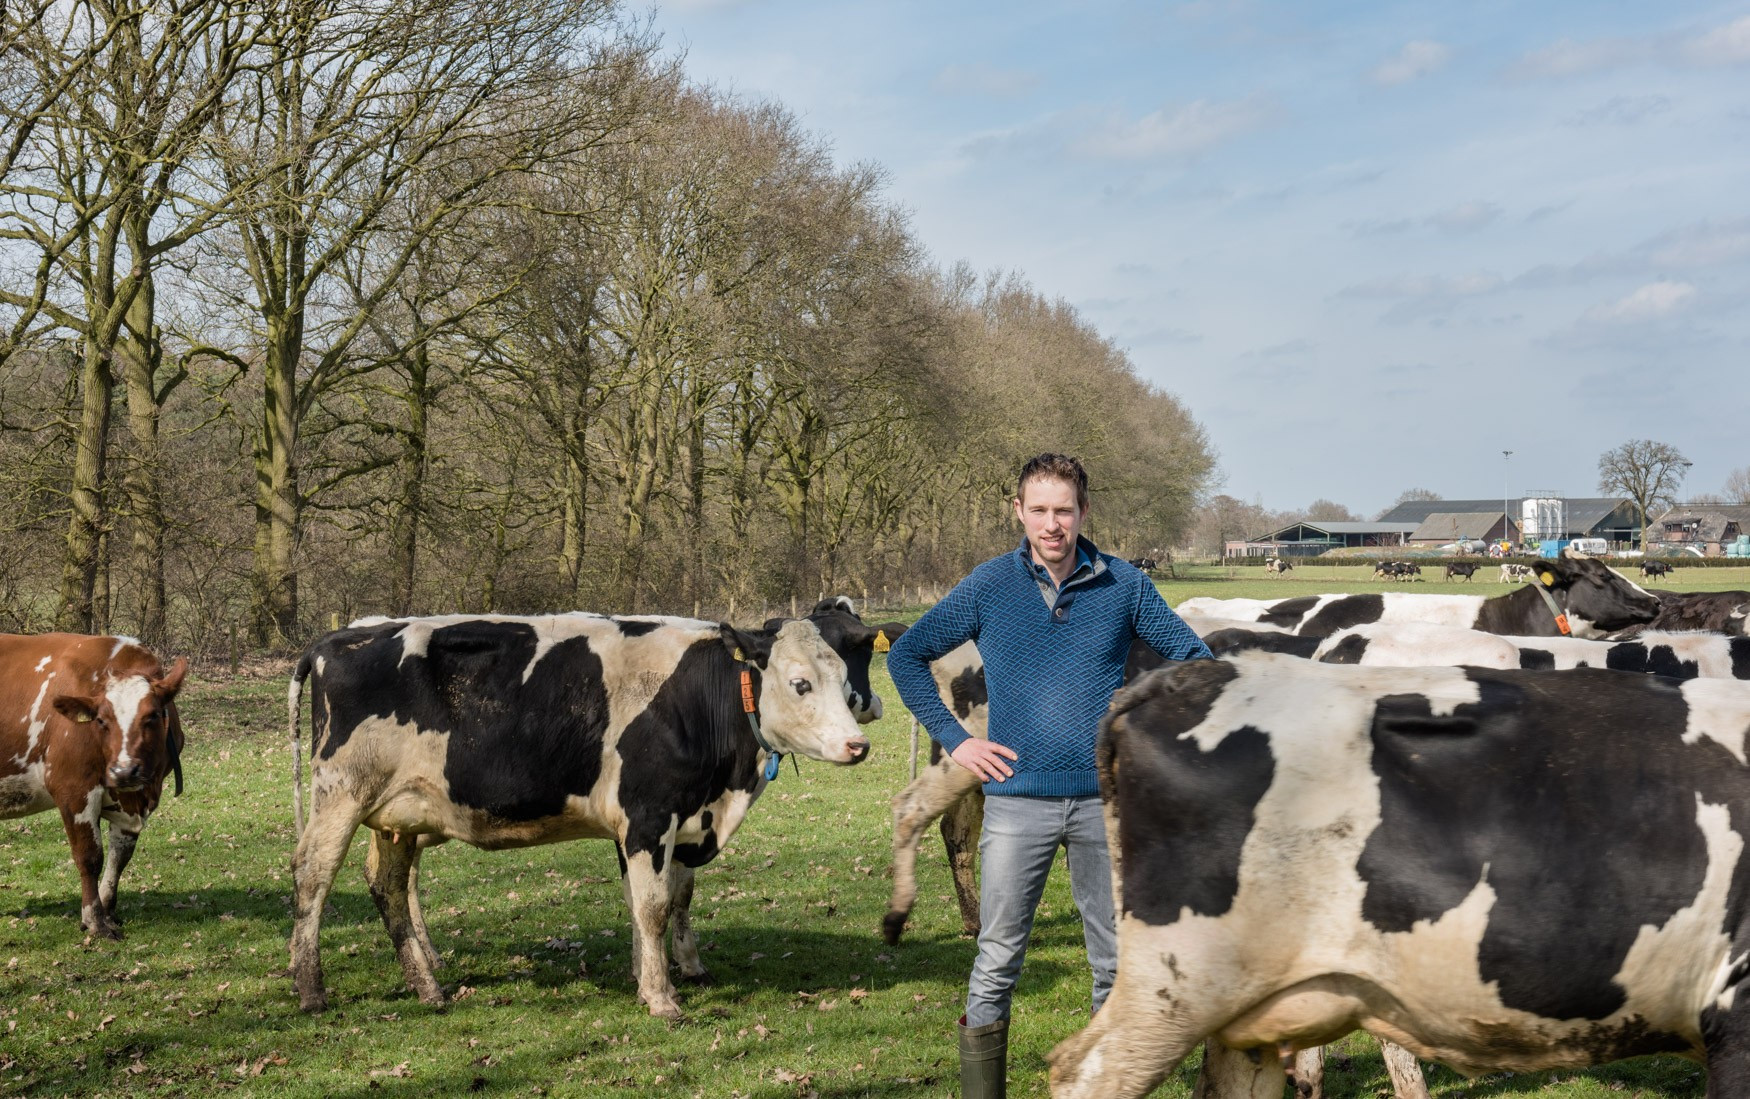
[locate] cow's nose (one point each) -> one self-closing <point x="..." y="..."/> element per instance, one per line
<point x="125" y="777"/>
<point x="858" y="749"/>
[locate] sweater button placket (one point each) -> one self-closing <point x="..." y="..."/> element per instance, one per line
<point x="1058" y="614"/>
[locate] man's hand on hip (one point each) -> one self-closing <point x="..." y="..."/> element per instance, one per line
<point x="984" y="759"/>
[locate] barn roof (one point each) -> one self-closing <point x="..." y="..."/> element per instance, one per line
<point x="1584" y="513"/>
<point x="1709" y="520"/>
<point x="1452" y="525"/>
<point x="1325" y="526"/>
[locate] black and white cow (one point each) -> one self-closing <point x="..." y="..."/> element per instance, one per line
<point x="1594" y="600"/>
<point x="656" y="733"/>
<point x="856" y="642"/>
<point x="1510" y="870"/>
<point x="1651" y="568"/>
<point x="1420" y="645"/>
<point x="1715" y="611"/>
<point x="1464" y="570"/>
<point x="1278" y="565"/>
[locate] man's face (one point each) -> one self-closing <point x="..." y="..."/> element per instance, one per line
<point x="1048" y="512"/>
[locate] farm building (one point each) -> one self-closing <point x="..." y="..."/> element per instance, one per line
<point x="1709" y="527"/>
<point x="1311" y="537"/>
<point x="1442" y="527"/>
<point x="1611" y="518"/>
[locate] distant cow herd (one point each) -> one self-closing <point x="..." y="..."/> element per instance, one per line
<point x="1504" y="833"/>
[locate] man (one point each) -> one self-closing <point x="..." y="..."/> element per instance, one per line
<point x="1053" y="621"/>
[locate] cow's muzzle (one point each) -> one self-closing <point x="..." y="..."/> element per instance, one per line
<point x="856" y="751"/>
<point x="131" y="777"/>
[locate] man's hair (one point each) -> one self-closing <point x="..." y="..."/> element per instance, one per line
<point x="1055" y="467"/>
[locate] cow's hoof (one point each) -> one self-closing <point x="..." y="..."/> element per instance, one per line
<point x="893" y="926"/>
<point x="971" y="929"/>
<point x="104" y="929"/>
<point x="670" y="1011"/>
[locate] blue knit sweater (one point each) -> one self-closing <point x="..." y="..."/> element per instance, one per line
<point x="1049" y="667"/>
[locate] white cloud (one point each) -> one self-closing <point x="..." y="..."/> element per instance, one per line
<point x="1724" y="45"/>
<point x="1466" y="217"/>
<point x="1651" y="302"/>
<point x="1727" y="45"/>
<point x="1181" y="131"/>
<point x="986" y="80"/>
<point x="1621" y="110"/>
<point x="1703" y="244"/>
<point x="1425" y="286"/>
<point x="1417" y="59"/>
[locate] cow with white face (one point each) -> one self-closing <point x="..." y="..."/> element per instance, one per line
<point x="88" y="725"/>
<point x="656" y="733"/>
<point x="1496" y="869"/>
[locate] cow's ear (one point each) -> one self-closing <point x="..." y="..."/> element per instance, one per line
<point x="751" y="646"/>
<point x="1553" y="572"/>
<point x="887" y="633"/>
<point x="773" y="625"/>
<point x="172" y="680"/>
<point x="76" y="709"/>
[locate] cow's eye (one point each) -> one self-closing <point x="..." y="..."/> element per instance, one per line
<point x="802" y="686"/>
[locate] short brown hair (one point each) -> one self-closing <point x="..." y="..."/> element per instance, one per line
<point x="1055" y="467"/>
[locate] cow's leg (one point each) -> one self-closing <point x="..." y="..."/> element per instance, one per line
<point x="647" y="891"/>
<point x="680" y="917"/>
<point x="1406" y="1075"/>
<point x="124" y="833"/>
<point x="388" y="871"/>
<point x="1130" y="1046"/>
<point x="1238" y="1074"/>
<point x="928" y="796"/>
<point x="321" y="850"/>
<point x="1309" y="1073"/>
<point x="415" y="912"/>
<point x="83" y="823"/>
<point x="1726" y="1034"/>
<point x="961" y="826"/>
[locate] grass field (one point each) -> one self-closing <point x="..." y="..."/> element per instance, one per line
<point x="807" y="1000"/>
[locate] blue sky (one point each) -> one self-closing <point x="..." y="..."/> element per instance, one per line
<point x="1370" y="245"/>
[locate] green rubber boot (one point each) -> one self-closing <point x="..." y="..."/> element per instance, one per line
<point x="984" y="1060"/>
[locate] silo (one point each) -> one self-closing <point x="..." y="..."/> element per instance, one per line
<point x="1545" y="515"/>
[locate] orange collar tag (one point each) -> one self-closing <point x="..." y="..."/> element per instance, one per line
<point x="747" y="702"/>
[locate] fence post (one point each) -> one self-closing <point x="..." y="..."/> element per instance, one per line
<point x="914" y="749"/>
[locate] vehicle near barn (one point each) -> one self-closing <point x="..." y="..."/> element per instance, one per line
<point x="1307" y="849"/>
<point x="89" y="726"/>
<point x="502" y="731"/>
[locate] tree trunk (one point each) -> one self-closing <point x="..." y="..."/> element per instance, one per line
<point x="76" y="610"/>
<point x="415" y="463"/>
<point x="140" y="357"/>
<point x="275" y="578"/>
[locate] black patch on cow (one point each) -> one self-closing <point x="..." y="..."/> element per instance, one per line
<point x="634" y="628"/>
<point x="1637" y="656"/>
<point x="1350" y="650"/>
<point x="698" y="854"/>
<point x="517" y="750"/>
<point x="1340" y="614"/>
<point x="1740" y="658"/>
<point x="1179" y="806"/>
<point x="967" y="691"/>
<point x="690" y="746"/>
<point x="1575" y="791"/>
<point x="1236" y="640"/>
<point x="1536" y="659"/>
<point x="1289" y="612"/>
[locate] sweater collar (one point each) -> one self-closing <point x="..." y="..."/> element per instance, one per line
<point x="1089" y="564"/>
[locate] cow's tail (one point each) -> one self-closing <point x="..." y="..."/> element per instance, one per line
<point x="294" y="700"/>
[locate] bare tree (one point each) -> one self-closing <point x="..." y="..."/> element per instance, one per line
<point x="1330" y="511"/>
<point x="1647" y="472"/>
<point x="1737" y="489"/>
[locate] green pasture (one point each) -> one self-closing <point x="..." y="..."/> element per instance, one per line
<point x="807" y="1000"/>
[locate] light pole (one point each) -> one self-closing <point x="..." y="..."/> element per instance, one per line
<point x="1506" y="517"/>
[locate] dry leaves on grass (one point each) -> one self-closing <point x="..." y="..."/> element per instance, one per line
<point x="403" y="1069"/>
<point x="259" y="1065"/>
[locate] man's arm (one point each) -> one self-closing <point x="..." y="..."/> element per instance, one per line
<point x="943" y="628"/>
<point x="1165" y="632"/>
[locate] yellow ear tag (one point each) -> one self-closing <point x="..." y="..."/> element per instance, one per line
<point x="738" y="655"/>
<point x="881" y="642"/>
<point x="84" y="716"/>
<point x="1548" y="578"/>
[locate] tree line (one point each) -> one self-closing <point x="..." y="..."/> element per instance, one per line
<point x="316" y="308"/>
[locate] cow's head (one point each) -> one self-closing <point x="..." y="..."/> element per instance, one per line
<point x="1595" y="598"/>
<point x="856" y="643"/>
<point x="135" y="718"/>
<point x="803" y="692"/>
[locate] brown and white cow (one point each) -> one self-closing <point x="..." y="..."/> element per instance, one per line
<point x="88" y="725"/>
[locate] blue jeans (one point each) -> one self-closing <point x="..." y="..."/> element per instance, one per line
<point x="1020" y="841"/>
